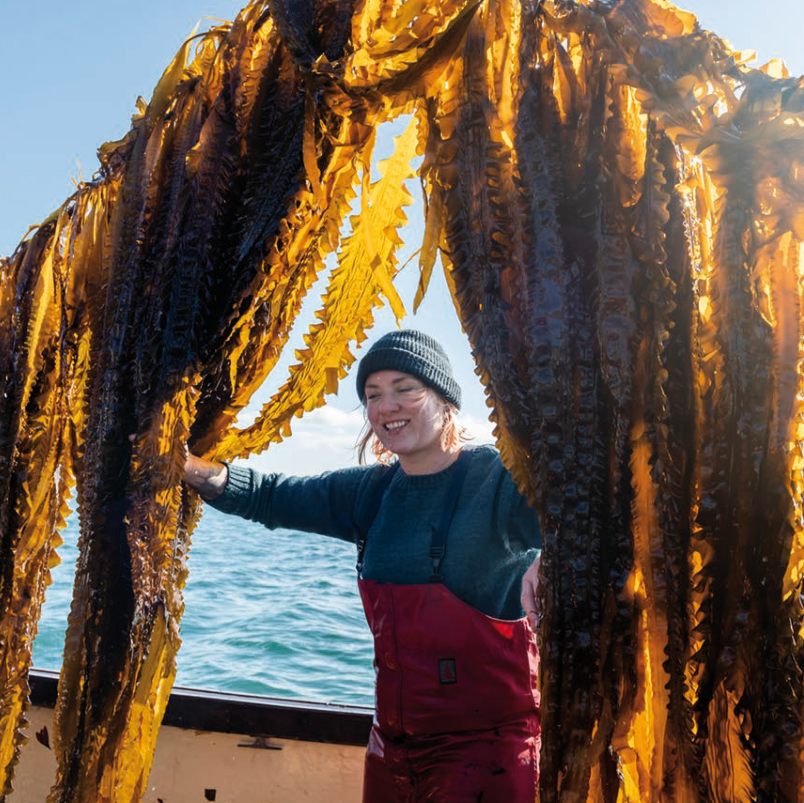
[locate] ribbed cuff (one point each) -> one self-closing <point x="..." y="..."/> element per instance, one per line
<point x="238" y="488"/>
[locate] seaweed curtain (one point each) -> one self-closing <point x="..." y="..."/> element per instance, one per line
<point x="618" y="203"/>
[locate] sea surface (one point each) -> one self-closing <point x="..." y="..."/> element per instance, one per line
<point x="272" y="613"/>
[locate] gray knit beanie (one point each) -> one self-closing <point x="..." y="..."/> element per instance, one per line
<point x="414" y="353"/>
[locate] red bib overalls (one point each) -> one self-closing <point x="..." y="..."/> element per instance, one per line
<point x="457" y="705"/>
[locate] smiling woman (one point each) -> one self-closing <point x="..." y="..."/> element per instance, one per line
<point x="443" y="540"/>
<point x="411" y="420"/>
<point x="411" y="398"/>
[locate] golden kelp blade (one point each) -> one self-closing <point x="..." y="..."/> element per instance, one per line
<point x="36" y="373"/>
<point x="617" y="201"/>
<point x="349" y="300"/>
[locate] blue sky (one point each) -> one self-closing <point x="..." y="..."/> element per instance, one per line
<point x="70" y="74"/>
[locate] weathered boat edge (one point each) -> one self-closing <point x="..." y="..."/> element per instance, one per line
<point x="226" y="712"/>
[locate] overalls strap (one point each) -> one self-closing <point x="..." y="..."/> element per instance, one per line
<point x="438" y="545"/>
<point x="367" y="512"/>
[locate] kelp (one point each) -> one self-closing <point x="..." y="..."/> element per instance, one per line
<point x="616" y="198"/>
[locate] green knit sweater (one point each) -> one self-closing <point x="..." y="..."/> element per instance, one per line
<point x="493" y="537"/>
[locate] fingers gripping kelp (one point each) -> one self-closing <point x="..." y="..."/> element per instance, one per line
<point x="616" y="198"/>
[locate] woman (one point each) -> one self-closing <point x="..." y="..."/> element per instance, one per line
<point x="444" y="540"/>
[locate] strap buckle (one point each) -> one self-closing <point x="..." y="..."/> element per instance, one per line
<point x="361" y="548"/>
<point x="436" y="556"/>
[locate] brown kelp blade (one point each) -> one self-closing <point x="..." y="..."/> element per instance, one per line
<point x="630" y="349"/>
<point x="32" y="450"/>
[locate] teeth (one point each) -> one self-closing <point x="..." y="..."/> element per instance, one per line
<point x="395" y="424"/>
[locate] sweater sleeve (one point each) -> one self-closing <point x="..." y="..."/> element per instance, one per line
<point x="322" y="504"/>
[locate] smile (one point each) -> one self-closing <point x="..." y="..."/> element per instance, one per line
<point x="393" y="426"/>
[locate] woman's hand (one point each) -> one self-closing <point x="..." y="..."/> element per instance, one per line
<point x="529" y="596"/>
<point x="205" y="476"/>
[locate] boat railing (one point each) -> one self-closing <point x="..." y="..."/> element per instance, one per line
<point x="260" y="717"/>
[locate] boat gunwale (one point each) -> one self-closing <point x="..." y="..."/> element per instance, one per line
<point x="246" y="714"/>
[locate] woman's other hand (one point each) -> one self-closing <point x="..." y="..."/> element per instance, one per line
<point x="529" y="596"/>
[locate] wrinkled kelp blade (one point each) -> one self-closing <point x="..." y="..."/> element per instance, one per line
<point x="667" y="274"/>
<point x="348" y="303"/>
<point x="36" y="374"/>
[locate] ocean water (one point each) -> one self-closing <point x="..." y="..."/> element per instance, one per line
<point x="273" y="613"/>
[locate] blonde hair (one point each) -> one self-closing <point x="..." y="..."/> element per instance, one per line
<point x="452" y="434"/>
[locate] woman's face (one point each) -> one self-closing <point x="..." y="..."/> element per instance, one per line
<point x="406" y="415"/>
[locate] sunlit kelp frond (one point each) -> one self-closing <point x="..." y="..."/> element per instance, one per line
<point x="736" y="405"/>
<point x="654" y="522"/>
<point x="760" y="670"/>
<point x="522" y="290"/>
<point x="301" y="230"/>
<point x="623" y="324"/>
<point x="103" y="655"/>
<point x="367" y="266"/>
<point x="477" y="228"/>
<point x="400" y="48"/>
<point x="675" y="439"/>
<point x="35" y="372"/>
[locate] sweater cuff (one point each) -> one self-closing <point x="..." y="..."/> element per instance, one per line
<point x="238" y="490"/>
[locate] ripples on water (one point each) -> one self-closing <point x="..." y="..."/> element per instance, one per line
<point x="273" y="613"/>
